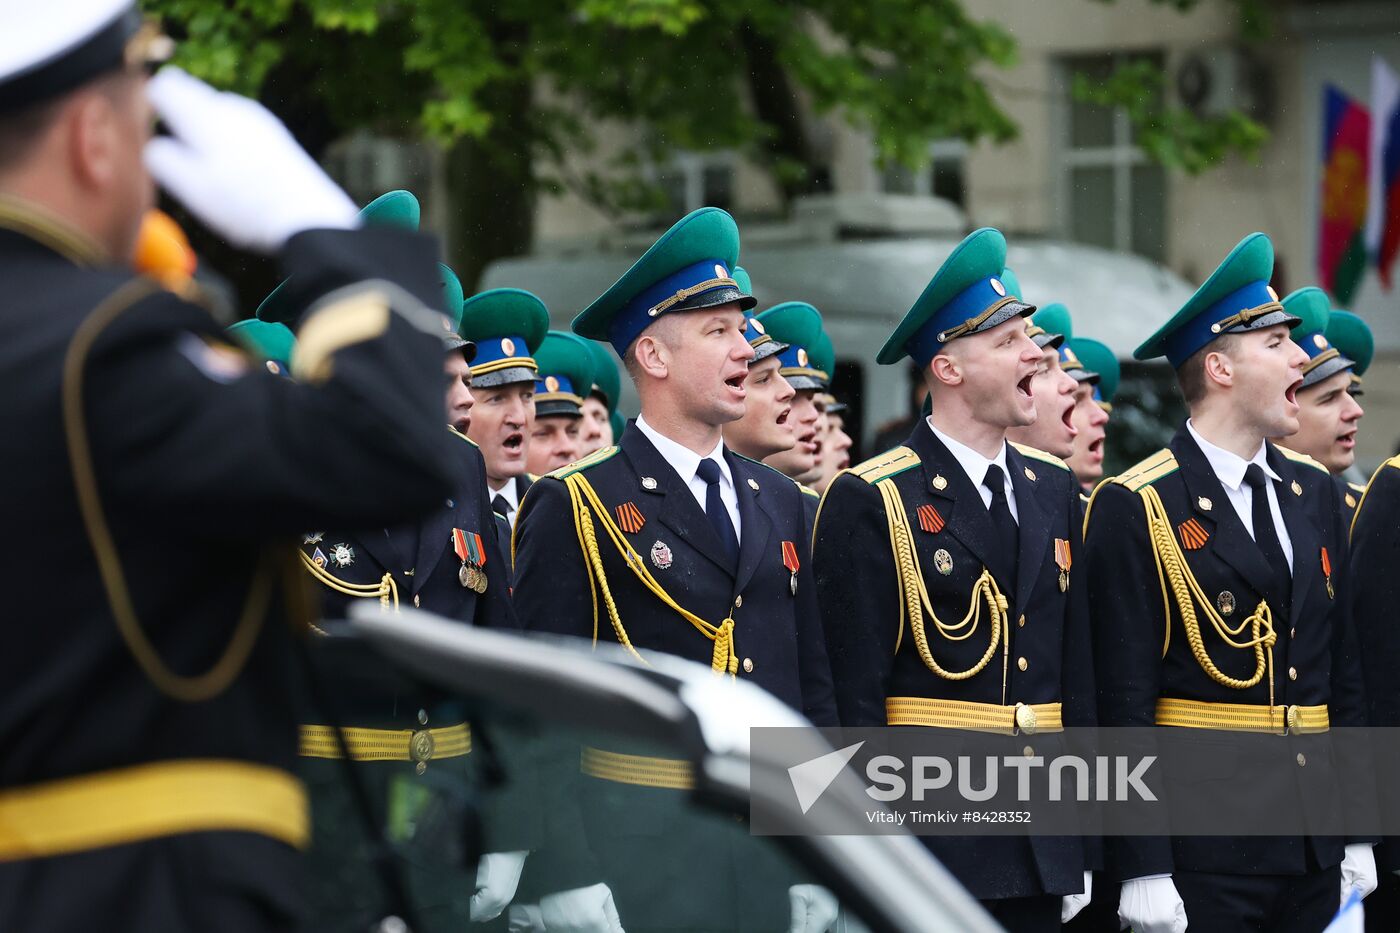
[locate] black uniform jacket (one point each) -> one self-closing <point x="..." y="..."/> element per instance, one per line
<point x="1314" y="657"/>
<point x="198" y="464"/>
<point x="874" y="658"/>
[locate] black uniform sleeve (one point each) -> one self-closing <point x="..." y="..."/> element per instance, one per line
<point x="184" y="432"/>
<point x="1127" y="625"/>
<point x="856" y="585"/>
<point x="814" y="667"/>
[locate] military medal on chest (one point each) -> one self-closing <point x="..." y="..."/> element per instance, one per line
<point x="1063" y="560"/>
<point x="1327" y="572"/>
<point x="472" y="553"/>
<point x="661" y="555"/>
<point x="342" y="555"/>
<point x="791" y="562"/>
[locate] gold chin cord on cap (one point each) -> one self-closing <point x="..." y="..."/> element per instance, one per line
<point x="1244" y="317"/>
<point x="971" y="324"/>
<point x="690" y="292"/>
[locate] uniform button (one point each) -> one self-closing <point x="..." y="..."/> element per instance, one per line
<point x="1028" y="752"/>
<point x="416" y="600"/>
<point x="738" y="602"/>
<point x="1293" y="673"/>
<point x="1302" y="759"/>
<point x="748" y="665"/>
<point x="1022" y="663"/>
<point x="423" y="717"/>
<point x="451" y="504"/>
<point x="1021" y="621"/>
<point x="1293" y="633"/>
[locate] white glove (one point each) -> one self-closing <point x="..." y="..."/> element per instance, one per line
<point x="235" y="166"/>
<point x="1359" y="870"/>
<point x="525" y="918"/>
<point x="1151" y="905"/>
<point x="581" y="910"/>
<point x="1072" y="904"/>
<point x="497" y="875"/>
<point x="814" y="908"/>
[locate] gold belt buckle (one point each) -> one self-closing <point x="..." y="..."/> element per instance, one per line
<point x="1026" y="719"/>
<point x="420" y="749"/>
<point x="1290" y="718"/>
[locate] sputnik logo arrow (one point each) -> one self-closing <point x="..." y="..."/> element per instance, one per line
<point x="811" y="778"/>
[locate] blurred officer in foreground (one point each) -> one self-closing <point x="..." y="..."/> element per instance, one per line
<point x="149" y="711"/>
<point x="1093" y="405"/>
<point x="959" y="521"/>
<point x="1222" y="532"/>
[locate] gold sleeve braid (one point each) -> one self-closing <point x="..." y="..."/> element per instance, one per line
<point x="1173" y="572"/>
<point x="588" y="508"/>
<point x="914" y="599"/>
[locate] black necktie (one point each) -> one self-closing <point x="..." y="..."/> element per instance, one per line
<point x="1265" y="534"/>
<point x="1008" y="534"/>
<point x="501" y="506"/>
<point x="715" y="510"/>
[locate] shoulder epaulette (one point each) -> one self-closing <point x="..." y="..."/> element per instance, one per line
<point x="463" y="436"/>
<point x="809" y="491"/>
<point x="890" y="463"/>
<point x="1146" y="472"/>
<point x="593" y="459"/>
<point x="1393" y="462"/>
<point x="1301" y="458"/>
<point x="1035" y="453"/>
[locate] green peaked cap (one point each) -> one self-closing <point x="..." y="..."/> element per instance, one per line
<point x="1051" y="326"/>
<point x="507" y="325"/>
<point x="271" y="343"/>
<point x="1351" y="334"/>
<point x="741" y="275"/>
<point x="1239" y="284"/>
<point x="964" y="297"/>
<point x="799" y="325"/>
<point x="687" y="269"/>
<point x="607" y="381"/>
<point x="397" y="209"/>
<point x="1012" y="283"/>
<point x="1313" y="309"/>
<point x="1099" y="358"/>
<point x="823" y="355"/>
<point x="566" y="374"/>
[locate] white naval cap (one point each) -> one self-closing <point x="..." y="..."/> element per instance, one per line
<point x="50" y="48"/>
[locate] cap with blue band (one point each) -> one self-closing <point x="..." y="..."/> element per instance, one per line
<point x="1313" y="309"/>
<point x="508" y="325"/>
<point x="798" y="326"/>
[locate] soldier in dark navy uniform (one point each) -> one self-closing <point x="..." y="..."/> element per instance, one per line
<point x="1053" y="386"/>
<point x="992" y="526"/>
<point x="1093" y="406"/>
<point x="1328" y="412"/>
<point x="1375" y="592"/>
<point x="160" y="473"/>
<point x="703" y="553"/>
<point x="566" y="372"/>
<point x="799" y="325"/>
<point x="1258" y="534"/>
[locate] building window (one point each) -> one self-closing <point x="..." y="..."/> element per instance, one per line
<point x="942" y="177"/>
<point x="1114" y="196"/>
<point x="692" y="180"/>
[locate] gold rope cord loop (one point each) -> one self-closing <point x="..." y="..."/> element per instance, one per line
<point x="588" y="539"/>
<point x="186" y="689"/>
<point x="386" y="590"/>
<point x="588" y="508"/>
<point x="1173" y="572"/>
<point x="915" y="602"/>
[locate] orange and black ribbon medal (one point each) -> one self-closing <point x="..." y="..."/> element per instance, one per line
<point x="1193" y="534"/>
<point x="930" y="520"/>
<point x="630" y="518"/>
<point x="1063" y="560"/>
<point x="791" y="562"/>
<point x="1327" y="572"/>
<point x="469" y="548"/>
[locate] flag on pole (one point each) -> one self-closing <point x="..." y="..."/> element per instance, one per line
<point x="1341" y="246"/>
<point x="1383" y="216"/>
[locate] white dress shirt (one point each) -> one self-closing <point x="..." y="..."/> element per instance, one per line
<point x="975" y="466"/>
<point x="510" y="492"/>
<point x="686" y="463"/>
<point x="1229" y="468"/>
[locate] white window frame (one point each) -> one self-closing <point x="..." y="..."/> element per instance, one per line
<point x="691" y="167"/>
<point x="940" y="150"/>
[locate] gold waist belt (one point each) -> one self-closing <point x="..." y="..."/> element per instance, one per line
<point x="675" y="773"/>
<point x="1241" y="717"/>
<point x="149" y="801"/>
<point x="1029" y="718"/>
<point x="416" y="745"/>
